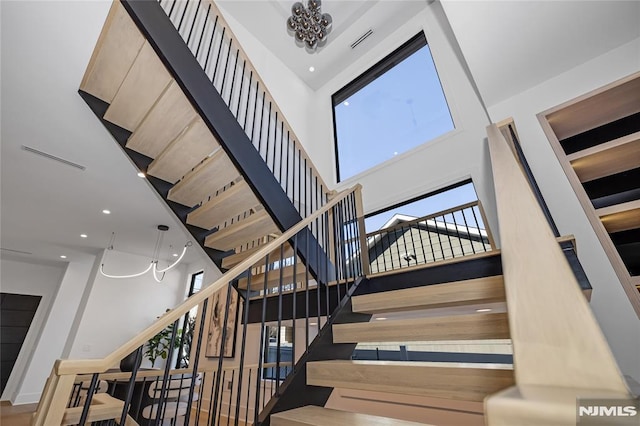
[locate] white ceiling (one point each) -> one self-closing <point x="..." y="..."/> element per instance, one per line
<point x="45" y="205"/>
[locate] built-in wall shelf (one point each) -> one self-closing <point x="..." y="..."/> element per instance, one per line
<point x="596" y="137"/>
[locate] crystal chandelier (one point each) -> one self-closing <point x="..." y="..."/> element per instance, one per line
<point x="158" y="273"/>
<point x="308" y="25"/>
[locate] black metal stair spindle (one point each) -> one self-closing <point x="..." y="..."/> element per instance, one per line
<point x="193" y="23"/>
<point x="464" y="218"/>
<point x="196" y="361"/>
<point x="165" y="377"/>
<point x="88" y="398"/>
<point x="130" y="386"/>
<point x="245" y="312"/>
<point x="223" y="340"/>
<point x="204" y="28"/>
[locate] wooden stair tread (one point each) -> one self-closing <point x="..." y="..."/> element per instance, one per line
<point x="274" y="256"/>
<point x="170" y="116"/>
<point x="116" y="49"/>
<point x="614" y="157"/>
<point x="620" y="217"/>
<point x="242" y="231"/>
<point x="273" y="277"/>
<point x="458" y="293"/>
<point x="469" y="382"/>
<point x="103" y="407"/>
<point x="145" y="82"/>
<point x="212" y="174"/>
<point x="456" y="327"/>
<point x="312" y="415"/>
<point x="186" y="151"/>
<point x="236" y="200"/>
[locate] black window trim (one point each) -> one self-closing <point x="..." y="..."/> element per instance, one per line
<point x="388" y="62"/>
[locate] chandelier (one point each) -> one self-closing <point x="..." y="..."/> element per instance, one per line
<point x="158" y="273"/>
<point x="308" y="25"/>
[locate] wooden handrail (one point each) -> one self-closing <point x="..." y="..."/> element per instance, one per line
<point x="222" y="21"/>
<point x="556" y="339"/>
<point x="64" y="367"/>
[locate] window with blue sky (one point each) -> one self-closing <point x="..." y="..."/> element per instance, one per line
<point x="395" y="106"/>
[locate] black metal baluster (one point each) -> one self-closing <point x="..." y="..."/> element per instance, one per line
<point x="218" y="412"/>
<point x="184" y="12"/>
<point x="171" y="10"/>
<point x="446" y="228"/>
<point x="439" y="239"/>
<point x="294" y="307"/>
<point x="475" y="219"/>
<point x="306" y="285"/>
<point x="196" y="361"/>
<point x="204" y="30"/>
<point x="130" y="386"/>
<point x="266" y="154"/>
<point x="299" y="181"/>
<point x="262" y="342"/>
<point x="279" y="344"/>
<point x="237" y="114"/>
<point x="211" y="48"/>
<point x="193" y="24"/>
<point x="233" y="80"/>
<point x="286" y="185"/>
<point x="88" y="398"/>
<point x="281" y="147"/>
<point x="261" y="122"/>
<point x="306" y="189"/>
<point x="246" y="411"/>
<point x="165" y="376"/>
<point x="233" y="374"/>
<point x="215" y="68"/>
<point x="224" y="74"/>
<point x="466" y="226"/>
<point x="245" y="312"/>
<point x="455" y="224"/>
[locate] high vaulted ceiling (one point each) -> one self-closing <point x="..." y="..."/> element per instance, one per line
<point x="46" y="205"/>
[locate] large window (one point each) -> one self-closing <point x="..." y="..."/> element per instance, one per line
<point x="393" y="107"/>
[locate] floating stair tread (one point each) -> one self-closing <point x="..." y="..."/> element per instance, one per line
<point x="103" y="407"/>
<point x="312" y="415"/>
<point x="607" y="159"/>
<point x="141" y="88"/>
<point x="463" y="381"/>
<point x="242" y="231"/>
<point x="620" y="217"/>
<point x="185" y="152"/>
<point x="236" y="200"/>
<point x="273" y="277"/>
<point x="166" y="120"/>
<point x="274" y="256"/>
<point x="456" y="327"/>
<point x="458" y="293"/>
<point x="117" y="48"/>
<point x="212" y="174"/>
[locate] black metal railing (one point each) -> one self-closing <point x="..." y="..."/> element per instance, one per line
<point x="249" y="334"/>
<point x="208" y="36"/>
<point x="452" y="233"/>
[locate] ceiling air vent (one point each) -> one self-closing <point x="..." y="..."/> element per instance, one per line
<point x="362" y="38"/>
<point x="52" y="157"/>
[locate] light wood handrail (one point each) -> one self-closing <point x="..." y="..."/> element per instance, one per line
<point x="64" y="367"/>
<point x="557" y="341"/>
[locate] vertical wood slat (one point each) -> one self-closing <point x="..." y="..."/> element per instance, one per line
<point x="54" y="399"/>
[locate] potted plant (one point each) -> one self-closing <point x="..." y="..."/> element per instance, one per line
<point x="159" y="346"/>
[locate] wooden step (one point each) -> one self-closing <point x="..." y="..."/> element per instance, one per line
<point x="247" y="229"/>
<point x="117" y="48"/>
<point x="185" y="152"/>
<point x="166" y="120"/>
<point x="620" y="217"/>
<point x="273" y="278"/>
<point x="145" y="82"/>
<point x="456" y="327"/>
<point x="274" y="256"/>
<point x="469" y="382"/>
<point x="212" y="174"/>
<point x="230" y="203"/>
<point x="312" y="415"/>
<point x="103" y="407"/>
<point x="458" y="293"/>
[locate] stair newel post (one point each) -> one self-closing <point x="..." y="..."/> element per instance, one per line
<point x="364" y="250"/>
<point x="53" y="402"/>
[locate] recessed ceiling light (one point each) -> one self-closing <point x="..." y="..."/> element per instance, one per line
<point x="175" y="254"/>
<point x="312" y="69"/>
<point x="83" y="235"/>
<point x="105" y="211"/>
<point x="141" y="175"/>
<point x="63" y="257"/>
<point x="483" y="310"/>
<point x="346" y="103"/>
<point x="380" y="319"/>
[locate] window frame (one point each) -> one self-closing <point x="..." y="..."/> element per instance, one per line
<point x="394" y="58"/>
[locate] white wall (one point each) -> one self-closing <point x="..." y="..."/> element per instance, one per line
<point x="61" y="286"/>
<point x="118" y="309"/>
<point x="609" y="302"/>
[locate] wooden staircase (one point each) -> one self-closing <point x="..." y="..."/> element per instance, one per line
<point x="143" y="98"/>
<point x="412" y="315"/>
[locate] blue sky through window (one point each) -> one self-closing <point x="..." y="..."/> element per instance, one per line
<point x="403" y="108"/>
